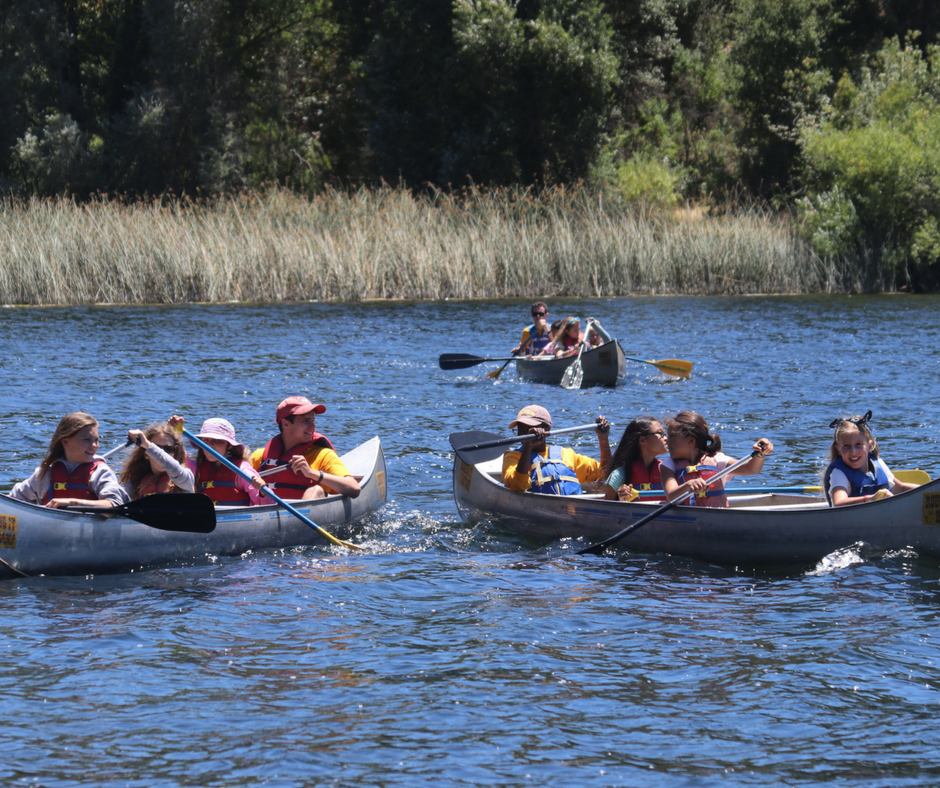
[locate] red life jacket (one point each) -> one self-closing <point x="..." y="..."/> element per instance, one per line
<point x="151" y="484"/>
<point x="286" y="483"/>
<point x="643" y="478"/>
<point x="76" y="484"/>
<point x="714" y="495"/>
<point x="220" y="484"/>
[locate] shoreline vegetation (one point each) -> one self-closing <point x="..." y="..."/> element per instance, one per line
<point x="388" y="243"/>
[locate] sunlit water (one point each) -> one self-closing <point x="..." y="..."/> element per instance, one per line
<point x="449" y="655"/>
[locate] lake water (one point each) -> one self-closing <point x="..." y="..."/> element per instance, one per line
<point x="458" y="656"/>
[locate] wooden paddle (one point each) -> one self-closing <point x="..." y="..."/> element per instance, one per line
<point x="267" y="492"/>
<point x="465" y="360"/>
<point x="575" y="372"/>
<point x="497" y="372"/>
<point x="189" y="512"/>
<point x="671" y="366"/>
<point x="477" y="446"/>
<point x="599" y="548"/>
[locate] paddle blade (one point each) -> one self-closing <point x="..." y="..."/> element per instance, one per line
<point x="459" y="361"/>
<point x="573" y="375"/>
<point x="477" y="446"/>
<point x="912" y="477"/>
<point x="674" y="366"/>
<point x="497" y="372"/>
<point x="189" y="512"/>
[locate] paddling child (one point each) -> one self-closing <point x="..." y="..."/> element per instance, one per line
<point x="158" y="464"/>
<point x="540" y="468"/>
<point x="537" y="332"/>
<point x="72" y="474"/>
<point x="212" y="478"/>
<point x="310" y="466"/>
<point x="569" y="339"/>
<point x="635" y="464"/>
<point x="856" y="474"/>
<point x="695" y="456"/>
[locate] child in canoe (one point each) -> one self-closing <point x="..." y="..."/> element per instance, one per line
<point x="72" y="474"/>
<point x="635" y="464"/>
<point x="212" y="478"/>
<point x="695" y="456"/>
<point x="856" y="474"/>
<point x="158" y="465"/>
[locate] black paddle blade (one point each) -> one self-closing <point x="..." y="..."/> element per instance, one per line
<point x="188" y="512"/>
<point x="478" y="446"/>
<point x="459" y="361"/>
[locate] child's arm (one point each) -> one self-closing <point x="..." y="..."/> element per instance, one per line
<point x="672" y="487"/>
<point x="756" y="464"/>
<point x="840" y="496"/>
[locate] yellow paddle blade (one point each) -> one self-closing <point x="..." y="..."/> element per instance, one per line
<point x="496" y="372"/>
<point x="916" y="476"/>
<point x="674" y="366"/>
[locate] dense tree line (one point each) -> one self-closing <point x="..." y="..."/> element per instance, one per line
<point x="827" y="105"/>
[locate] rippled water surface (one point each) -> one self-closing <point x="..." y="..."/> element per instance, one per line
<point x="450" y="655"/>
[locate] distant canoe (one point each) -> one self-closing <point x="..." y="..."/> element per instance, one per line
<point x="758" y="529"/>
<point x="37" y="540"/>
<point x="602" y="366"/>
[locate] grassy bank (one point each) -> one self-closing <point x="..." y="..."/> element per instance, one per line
<point x="389" y="244"/>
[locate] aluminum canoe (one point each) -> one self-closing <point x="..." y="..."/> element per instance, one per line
<point x="36" y="540"/>
<point x="758" y="530"/>
<point x="602" y="366"/>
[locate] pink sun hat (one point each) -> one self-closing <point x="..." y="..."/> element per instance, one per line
<point x="219" y="429"/>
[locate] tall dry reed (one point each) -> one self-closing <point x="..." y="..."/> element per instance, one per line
<point x="389" y="243"/>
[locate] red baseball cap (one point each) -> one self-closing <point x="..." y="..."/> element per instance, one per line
<point x="295" y="406"/>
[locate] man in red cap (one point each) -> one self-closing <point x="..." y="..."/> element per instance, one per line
<point x="557" y="470"/>
<point x="300" y="462"/>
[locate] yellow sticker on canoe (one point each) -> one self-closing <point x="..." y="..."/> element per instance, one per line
<point x="8" y="531"/>
<point x="466" y="474"/>
<point x="931" y="515"/>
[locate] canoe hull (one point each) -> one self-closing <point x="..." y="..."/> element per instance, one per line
<point x="36" y="540"/>
<point x="602" y="366"/>
<point x="759" y="530"/>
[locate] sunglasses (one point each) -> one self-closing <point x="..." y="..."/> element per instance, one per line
<point x="539" y="314"/>
<point x="860" y="421"/>
<point x="167" y="449"/>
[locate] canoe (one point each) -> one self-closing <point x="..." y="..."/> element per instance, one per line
<point x="36" y="540"/>
<point x="758" y="530"/>
<point x="602" y="366"/>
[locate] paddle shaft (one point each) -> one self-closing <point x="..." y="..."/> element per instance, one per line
<point x="497" y="372"/>
<point x="671" y="366"/>
<point x="598" y="548"/>
<point x="519" y="438"/>
<point x="807" y="489"/>
<point x="269" y="493"/>
<point x="115" y="450"/>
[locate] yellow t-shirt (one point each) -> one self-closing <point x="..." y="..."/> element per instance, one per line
<point x="320" y="458"/>
<point x="587" y="469"/>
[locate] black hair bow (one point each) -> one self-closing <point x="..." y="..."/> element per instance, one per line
<point x="859" y="421"/>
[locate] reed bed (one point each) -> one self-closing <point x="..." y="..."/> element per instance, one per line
<point x="388" y="243"/>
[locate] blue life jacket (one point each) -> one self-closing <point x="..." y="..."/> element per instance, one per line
<point x="537" y="343"/>
<point x="552" y="475"/>
<point x="866" y="483"/>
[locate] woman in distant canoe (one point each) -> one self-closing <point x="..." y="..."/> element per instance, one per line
<point x="856" y="474"/>
<point x="635" y="464"/>
<point x="695" y="456"/>
<point x="569" y="338"/>
<point x="72" y="474"/>
<point x="158" y="465"/>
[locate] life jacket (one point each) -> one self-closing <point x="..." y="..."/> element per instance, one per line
<point x="714" y="495"/>
<point x="863" y="483"/>
<point x="76" y="484"/>
<point x="551" y="475"/>
<point x="152" y="484"/>
<point x="643" y="478"/>
<point x="220" y="484"/>
<point x="537" y="342"/>
<point x="286" y="483"/>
